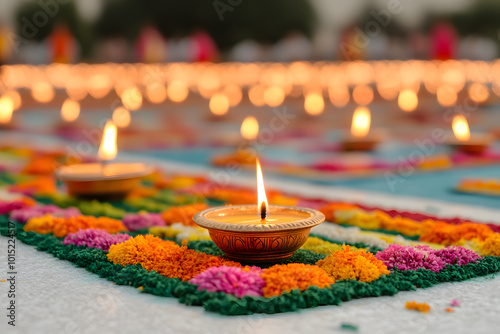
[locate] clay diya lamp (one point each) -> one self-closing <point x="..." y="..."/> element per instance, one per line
<point x="259" y="233"/>
<point x="360" y="137"/>
<point x="463" y="140"/>
<point x="244" y="153"/>
<point x="106" y="180"/>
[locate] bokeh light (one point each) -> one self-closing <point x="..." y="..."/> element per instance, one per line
<point x="314" y="103"/>
<point x="121" y="117"/>
<point x="219" y="104"/>
<point x="70" y="110"/>
<point x="408" y="100"/>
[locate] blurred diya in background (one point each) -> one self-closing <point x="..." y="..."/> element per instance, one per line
<point x="105" y="179"/>
<point x="259" y="233"/>
<point x="360" y="137"/>
<point x="464" y="141"/>
<point x="487" y="187"/>
<point x="244" y="154"/>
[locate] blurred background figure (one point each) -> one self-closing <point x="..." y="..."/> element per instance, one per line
<point x="443" y="41"/>
<point x="63" y="46"/>
<point x="197" y="30"/>
<point x="151" y="47"/>
<point x="5" y="44"/>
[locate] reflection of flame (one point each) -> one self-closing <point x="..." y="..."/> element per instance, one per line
<point x="108" y="150"/>
<point x="6" y="109"/>
<point x="460" y="128"/>
<point x="262" y="204"/>
<point x="361" y="120"/>
<point x="70" y="110"/>
<point x="250" y="128"/>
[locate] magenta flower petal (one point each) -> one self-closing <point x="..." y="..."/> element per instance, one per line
<point x="231" y="280"/>
<point x="134" y="222"/>
<point x="95" y="238"/>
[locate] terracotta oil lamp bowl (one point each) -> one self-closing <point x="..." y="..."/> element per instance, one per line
<point x="102" y="181"/>
<point x="241" y="234"/>
<point x="106" y="180"/>
<point x="366" y="143"/>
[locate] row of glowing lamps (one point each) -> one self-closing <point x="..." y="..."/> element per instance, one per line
<point x="266" y="84"/>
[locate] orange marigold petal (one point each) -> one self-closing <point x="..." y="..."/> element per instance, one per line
<point x="183" y="214"/>
<point x="284" y="278"/>
<point x="165" y="257"/>
<point x="421" y="307"/>
<point x="357" y="265"/>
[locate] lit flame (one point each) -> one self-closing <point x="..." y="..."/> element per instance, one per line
<point x="108" y="150"/>
<point x="361" y="120"/>
<point x="250" y="128"/>
<point x="262" y="204"/>
<point x="70" y="110"/>
<point x="460" y="128"/>
<point x="6" y="109"/>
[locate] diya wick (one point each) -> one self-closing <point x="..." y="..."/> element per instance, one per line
<point x="259" y="233"/>
<point x="104" y="179"/>
<point x="463" y="140"/>
<point x="360" y="137"/>
<point x="245" y="152"/>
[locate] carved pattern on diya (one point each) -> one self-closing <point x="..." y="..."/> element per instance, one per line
<point x="259" y="247"/>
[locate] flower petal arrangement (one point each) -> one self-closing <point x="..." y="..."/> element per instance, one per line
<point x="149" y="241"/>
